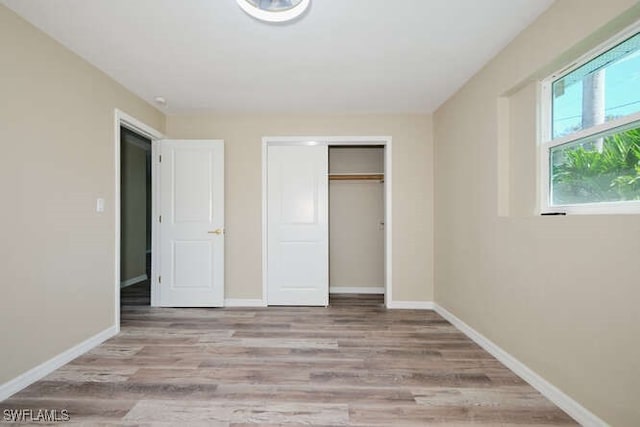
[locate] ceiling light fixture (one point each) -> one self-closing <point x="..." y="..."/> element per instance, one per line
<point x="274" y="10"/>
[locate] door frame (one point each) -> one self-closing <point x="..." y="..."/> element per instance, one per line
<point x="354" y="141"/>
<point x="122" y="119"/>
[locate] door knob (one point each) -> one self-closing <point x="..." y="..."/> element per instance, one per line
<point x="217" y="231"/>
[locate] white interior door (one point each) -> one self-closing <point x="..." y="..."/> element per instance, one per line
<point x="191" y="208"/>
<point x="297" y="225"/>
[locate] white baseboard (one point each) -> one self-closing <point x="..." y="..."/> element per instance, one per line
<point x="357" y="290"/>
<point x="26" y="379"/>
<point x="134" y="280"/>
<point x="410" y="305"/>
<point x="236" y="302"/>
<point x="578" y="412"/>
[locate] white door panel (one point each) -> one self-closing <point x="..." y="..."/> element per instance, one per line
<point x="191" y="231"/>
<point x="297" y="225"/>
<point x="192" y="182"/>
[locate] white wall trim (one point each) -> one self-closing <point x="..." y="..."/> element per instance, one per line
<point x="384" y="141"/>
<point x="264" y="222"/>
<point x="239" y="302"/>
<point x="378" y="290"/>
<point x="578" y="412"/>
<point x="123" y="119"/>
<point x="410" y="305"/>
<point x="133" y="280"/>
<point x="156" y="289"/>
<point x="35" y="374"/>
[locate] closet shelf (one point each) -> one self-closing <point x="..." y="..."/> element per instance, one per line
<point x="356" y="177"/>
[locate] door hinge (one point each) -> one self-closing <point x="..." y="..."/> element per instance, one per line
<point x="160" y="158"/>
<point x="159" y="279"/>
<point x="160" y="218"/>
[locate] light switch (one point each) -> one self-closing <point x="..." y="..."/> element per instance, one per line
<point x="100" y="205"/>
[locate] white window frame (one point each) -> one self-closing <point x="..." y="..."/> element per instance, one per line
<point x="547" y="142"/>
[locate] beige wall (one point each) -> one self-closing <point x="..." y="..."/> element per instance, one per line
<point x="356" y="209"/>
<point x="57" y="261"/>
<point x="412" y="189"/>
<point x="558" y="293"/>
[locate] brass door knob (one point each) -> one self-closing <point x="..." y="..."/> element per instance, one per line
<point x="217" y="231"/>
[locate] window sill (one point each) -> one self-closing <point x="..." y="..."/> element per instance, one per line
<point x="619" y="208"/>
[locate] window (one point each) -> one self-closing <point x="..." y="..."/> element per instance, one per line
<point x="590" y="150"/>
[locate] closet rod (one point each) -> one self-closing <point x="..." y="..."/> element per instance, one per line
<point x="357" y="177"/>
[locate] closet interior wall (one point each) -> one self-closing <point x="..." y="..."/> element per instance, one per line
<point x="356" y="220"/>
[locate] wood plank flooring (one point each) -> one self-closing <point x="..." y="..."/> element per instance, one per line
<point x="352" y="364"/>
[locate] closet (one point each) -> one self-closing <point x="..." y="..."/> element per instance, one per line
<point x="356" y="220"/>
<point x="326" y="210"/>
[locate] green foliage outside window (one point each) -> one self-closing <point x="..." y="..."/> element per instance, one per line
<point x="597" y="171"/>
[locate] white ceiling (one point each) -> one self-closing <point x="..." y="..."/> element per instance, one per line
<point x="341" y="56"/>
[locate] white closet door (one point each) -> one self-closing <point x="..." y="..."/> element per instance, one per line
<point x="192" y="226"/>
<point x="297" y="226"/>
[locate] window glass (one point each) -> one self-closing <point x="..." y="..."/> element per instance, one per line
<point x="598" y="169"/>
<point x="603" y="89"/>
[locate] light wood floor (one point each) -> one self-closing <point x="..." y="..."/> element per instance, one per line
<point x="353" y="363"/>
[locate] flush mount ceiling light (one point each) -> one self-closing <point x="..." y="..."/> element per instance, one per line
<point x="274" y="10"/>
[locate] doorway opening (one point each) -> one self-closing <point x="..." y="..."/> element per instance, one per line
<point x="135" y="218"/>
<point x="356" y="225"/>
<point x="143" y="131"/>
